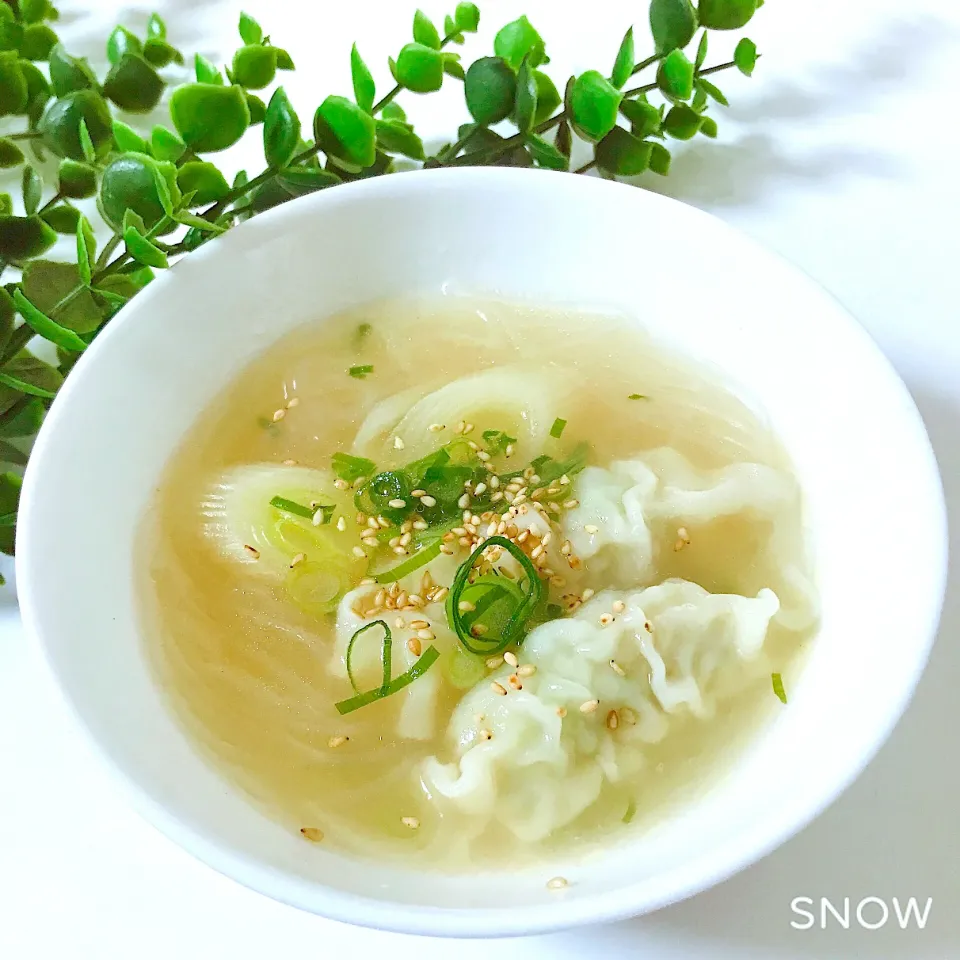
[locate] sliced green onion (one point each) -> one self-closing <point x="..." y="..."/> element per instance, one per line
<point x="423" y="556"/>
<point x="637" y="396"/>
<point x="350" y="468"/>
<point x="497" y="441"/>
<point x="291" y="506"/>
<point x="358" y="373"/>
<point x="385" y="652"/>
<point x="557" y="429"/>
<point x="778" y="687"/>
<point x="493" y="590"/>
<point x="631" y="811"/>
<point x="427" y="660"/>
<point x="361" y="334"/>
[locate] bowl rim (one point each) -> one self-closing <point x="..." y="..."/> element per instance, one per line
<point x="750" y="847"/>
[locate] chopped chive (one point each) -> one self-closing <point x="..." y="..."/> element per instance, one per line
<point x="385" y="653"/>
<point x="358" y="373"/>
<point x="637" y="396"/>
<point x="423" y="556"/>
<point x="361" y="334"/>
<point x="631" y="811"/>
<point x="557" y="429"/>
<point x="497" y="441"/>
<point x="291" y="506"/>
<point x="778" y="687"/>
<point x="427" y="660"/>
<point x="350" y="468"/>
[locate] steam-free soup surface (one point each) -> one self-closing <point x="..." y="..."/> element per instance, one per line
<point x="667" y="554"/>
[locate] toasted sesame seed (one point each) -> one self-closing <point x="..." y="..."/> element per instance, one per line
<point x="417" y="493"/>
<point x="398" y="443"/>
<point x="341" y="484"/>
<point x="494" y="482"/>
<point x="278" y="415"/>
<point x="537" y="552"/>
<point x="590" y="528"/>
<point x="367" y="582"/>
<point x="511" y="658"/>
<point x="509" y="451"/>
<point x="335" y="742"/>
<point x="480" y="489"/>
<point x="252" y="551"/>
<point x="398" y="504"/>
<point x="419" y="624"/>
<point x="383" y="522"/>
<point x="399" y="623"/>
<point x="497" y="497"/>
<point x="587" y="594"/>
<point x="478" y="629"/>
<point x="426" y="635"/>
<point x="613" y="720"/>
<point x="527" y="670"/>
<point x="361" y="519"/>
<point x="393" y="542"/>
<point x="558" y="883"/>
<point x="494" y="662"/>
<point x="357" y="552"/>
<point x="465" y="606"/>
<point x="436" y="427"/>
<point x="464" y="501"/>
<point x="405" y="539"/>
<point x="297" y="560"/>
<point x="619" y="606"/>
<point x="617" y="669"/>
<point x="459" y="428"/>
<point x="415" y="600"/>
<point x="483" y="455"/>
<point x="422" y="524"/>
<point x="485" y="734"/>
<point x="447" y="549"/>
<point x="571" y="504"/>
<point x="411" y="822"/>
<point x="314" y="834"/>
<point x="514" y="682"/>
<point x="588" y="706"/>
<point x="561" y="712"/>
<point x="289" y="463"/>
<point x="498" y="689"/>
<point x="441" y="594"/>
<point x="413" y="645"/>
<point x="606" y="619"/>
<point x="648" y="626"/>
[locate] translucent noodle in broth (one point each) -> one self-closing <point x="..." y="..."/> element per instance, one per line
<point x="434" y="577"/>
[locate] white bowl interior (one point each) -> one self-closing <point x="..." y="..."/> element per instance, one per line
<point x="873" y="498"/>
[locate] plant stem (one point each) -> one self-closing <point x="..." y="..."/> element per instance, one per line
<point x="649" y="62"/>
<point x="397" y="90"/>
<point x="107" y="250"/>
<point x="586" y="166"/>
<point x="650" y="87"/>
<point x="26" y="135"/>
<point x="53" y="201"/>
<point x="717" y="69"/>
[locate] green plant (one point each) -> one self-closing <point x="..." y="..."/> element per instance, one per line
<point x="162" y="196"/>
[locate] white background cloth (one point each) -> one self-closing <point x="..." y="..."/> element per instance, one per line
<point x="842" y="154"/>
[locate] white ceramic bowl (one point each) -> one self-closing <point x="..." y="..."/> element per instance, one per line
<point x="873" y="494"/>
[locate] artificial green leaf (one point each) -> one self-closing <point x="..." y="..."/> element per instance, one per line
<point x="25" y="374"/>
<point x="250" y="30"/>
<point x="23" y="419"/>
<point x="86" y="142"/>
<point x="10" y="154"/>
<point x="68" y="74"/>
<point x="11" y="32"/>
<point x="11" y="454"/>
<point x="49" y="329"/>
<point x="424" y="31"/>
<point x="397" y="137"/>
<point x="284" y="60"/>
<point x="38" y="87"/>
<point x="142" y="250"/>
<point x="120" y="42"/>
<point x="451" y="31"/>
<point x="160" y="53"/>
<point x="129" y="183"/>
<point x="86" y="250"/>
<point x="8" y="311"/>
<point x="31" y="188"/>
<point x="673" y="24"/>
<point x="675" y="76"/>
<point x="10" y="484"/>
<point x="206" y="72"/>
<point x="77" y="180"/>
<point x="56" y="289"/>
<point x="62" y="218"/>
<point x="623" y="66"/>
<point x="393" y="111"/>
<point x="545" y="154"/>
<point x="299" y="181"/>
<point x="708" y="127"/>
<point x="133" y="85"/>
<point x="702" y="51"/>
<point x="38" y="41"/>
<point x="745" y="56"/>
<point x="682" y="122"/>
<point x="128" y="139"/>
<point x="165" y="181"/>
<point x="594" y="102"/>
<point x="548" y="97"/>
<point x="189" y="219"/>
<point x="156" y="28"/>
<point x="257" y="108"/>
<point x="345" y="131"/>
<point x="644" y="117"/>
<point x="13" y="85"/>
<point x="419" y="68"/>
<point x="710" y="90"/>
<point x="364" y="88"/>
<point x="726" y="14"/>
<point x="60" y="124"/>
<point x="564" y="139"/>
<point x="204" y="180"/>
<point x="699" y="102"/>
<point x="254" y="67"/>
<point x="517" y="40"/>
<point x="490" y="89"/>
<point x="452" y="67"/>
<point x="34" y="11"/>
<point x="525" y="105"/>
<point x="22" y="238"/>
<point x="281" y="130"/>
<point x="209" y="117"/>
<point x="467" y="17"/>
<point x="166" y="145"/>
<point x="623" y="154"/>
<point x="6" y="204"/>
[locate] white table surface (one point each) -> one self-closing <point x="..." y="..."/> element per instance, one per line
<point x="842" y="154"/>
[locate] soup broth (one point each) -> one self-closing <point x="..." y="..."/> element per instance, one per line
<point x="671" y="581"/>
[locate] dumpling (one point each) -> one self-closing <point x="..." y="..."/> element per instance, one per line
<point x="533" y="759"/>
<point x="522" y="402"/>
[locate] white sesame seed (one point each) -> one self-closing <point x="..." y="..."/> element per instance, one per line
<point x="509" y="451"/>
<point x="341" y="484"/>
<point x="428" y="501"/>
<point x="494" y="662"/>
<point x="313" y="834"/>
<point x="383" y="522"/>
<point x="335" y="742"/>
<point x="498" y="689"/>
<point x="606" y="619"/>
<point x="588" y="706"/>
<point x="587" y="594"/>
<point x="561" y="712"/>
<point x="447" y="549"/>
<point x="278" y="415"/>
<point x="397" y="443"/>
<point x="421" y="524"/>
<point x="619" y="606"/>
<point x="297" y="560"/>
<point x="590" y="528"/>
<point x="682" y="534"/>
<point x="419" y="624"/>
<point x="412" y="822"/>
<point x="617" y="669"/>
<point x="398" y="504"/>
<point x="399" y="623"/>
<point x="485" y="735"/>
<point x="571" y="504"/>
<point x="628" y="715"/>
<point x="252" y="551"/>
<point x="293" y="402"/>
<point x="459" y="428"/>
<point x="558" y="883"/>
<point x="413" y="645"/>
<point x="436" y="427"/>
<point x="511" y="658"/>
<point x="357" y="552"/>
<point x="400" y="551"/>
<point x="417" y="493"/>
<point x="527" y="670"/>
<point x="426" y="635"/>
<point x="481" y="488"/>
<point x="483" y="455"/>
<point x="464" y="501"/>
<point x="367" y="582"/>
